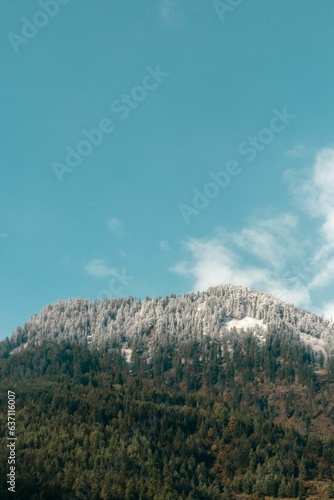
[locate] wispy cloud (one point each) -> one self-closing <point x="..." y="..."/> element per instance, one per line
<point x="314" y="191"/>
<point x="269" y="253"/>
<point x="98" y="269"/>
<point x="314" y="187"/>
<point x="324" y="274"/>
<point x="271" y="240"/>
<point x="164" y="245"/>
<point x="171" y="12"/>
<point x="328" y="310"/>
<point x="298" y="151"/>
<point x="114" y="224"/>
<point x="218" y="260"/>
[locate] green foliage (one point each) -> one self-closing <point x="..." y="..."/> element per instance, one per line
<point x="185" y="424"/>
<point x="330" y="490"/>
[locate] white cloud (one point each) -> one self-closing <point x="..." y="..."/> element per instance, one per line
<point x="171" y="12"/>
<point x="99" y="269"/>
<point x="114" y="224"/>
<point x="321" y="189"/>
<point x="314" y="190"/>
<point x="164" y="246"/>
<point x="324" y="275"/>
<point x="299" y="151"/>
<point x="212" y="262"/>
<point x="271" y="254"/>
<point x="271" y="240"/>
<point x="328" y="310"/>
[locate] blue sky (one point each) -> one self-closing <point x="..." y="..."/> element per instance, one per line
<point x="163" y="146"/>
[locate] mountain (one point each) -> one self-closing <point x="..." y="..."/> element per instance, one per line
<point x="219" y="313"/>
<point x="224" y="394"/>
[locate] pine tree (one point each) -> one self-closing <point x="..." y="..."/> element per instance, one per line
<point x="330" y="489"/>
<point x="282" y="490"/>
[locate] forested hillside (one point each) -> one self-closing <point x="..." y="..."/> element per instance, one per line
<point x="125" y="322"/>
<point x="207" y="421"/>
<point x="225" y="394"/>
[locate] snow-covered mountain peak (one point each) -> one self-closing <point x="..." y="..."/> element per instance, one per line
<point x="215" y="313"/>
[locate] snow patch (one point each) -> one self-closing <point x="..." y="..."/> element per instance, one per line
<point x="261" y="338"/>
<point x="318" y="345"/>
<point x="245" y="323"/>
<point x="19" y="348"/>
<point x="127" y="353"/>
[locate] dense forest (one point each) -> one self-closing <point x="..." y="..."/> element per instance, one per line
<point x="200" y="420"/>
<point x="161" y="321"/>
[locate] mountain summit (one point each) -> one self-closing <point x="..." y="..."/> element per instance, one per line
<point x="219" y="313"/>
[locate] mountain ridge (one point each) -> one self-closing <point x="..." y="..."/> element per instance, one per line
<point x="219" y="312"/>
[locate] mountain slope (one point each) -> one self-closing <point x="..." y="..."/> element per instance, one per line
<point x="222" y="394"/>
<point x="202" y="422"/>
<point x="122" y="323"/>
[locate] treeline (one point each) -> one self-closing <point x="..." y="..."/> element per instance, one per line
<point x="189" y="422"/>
